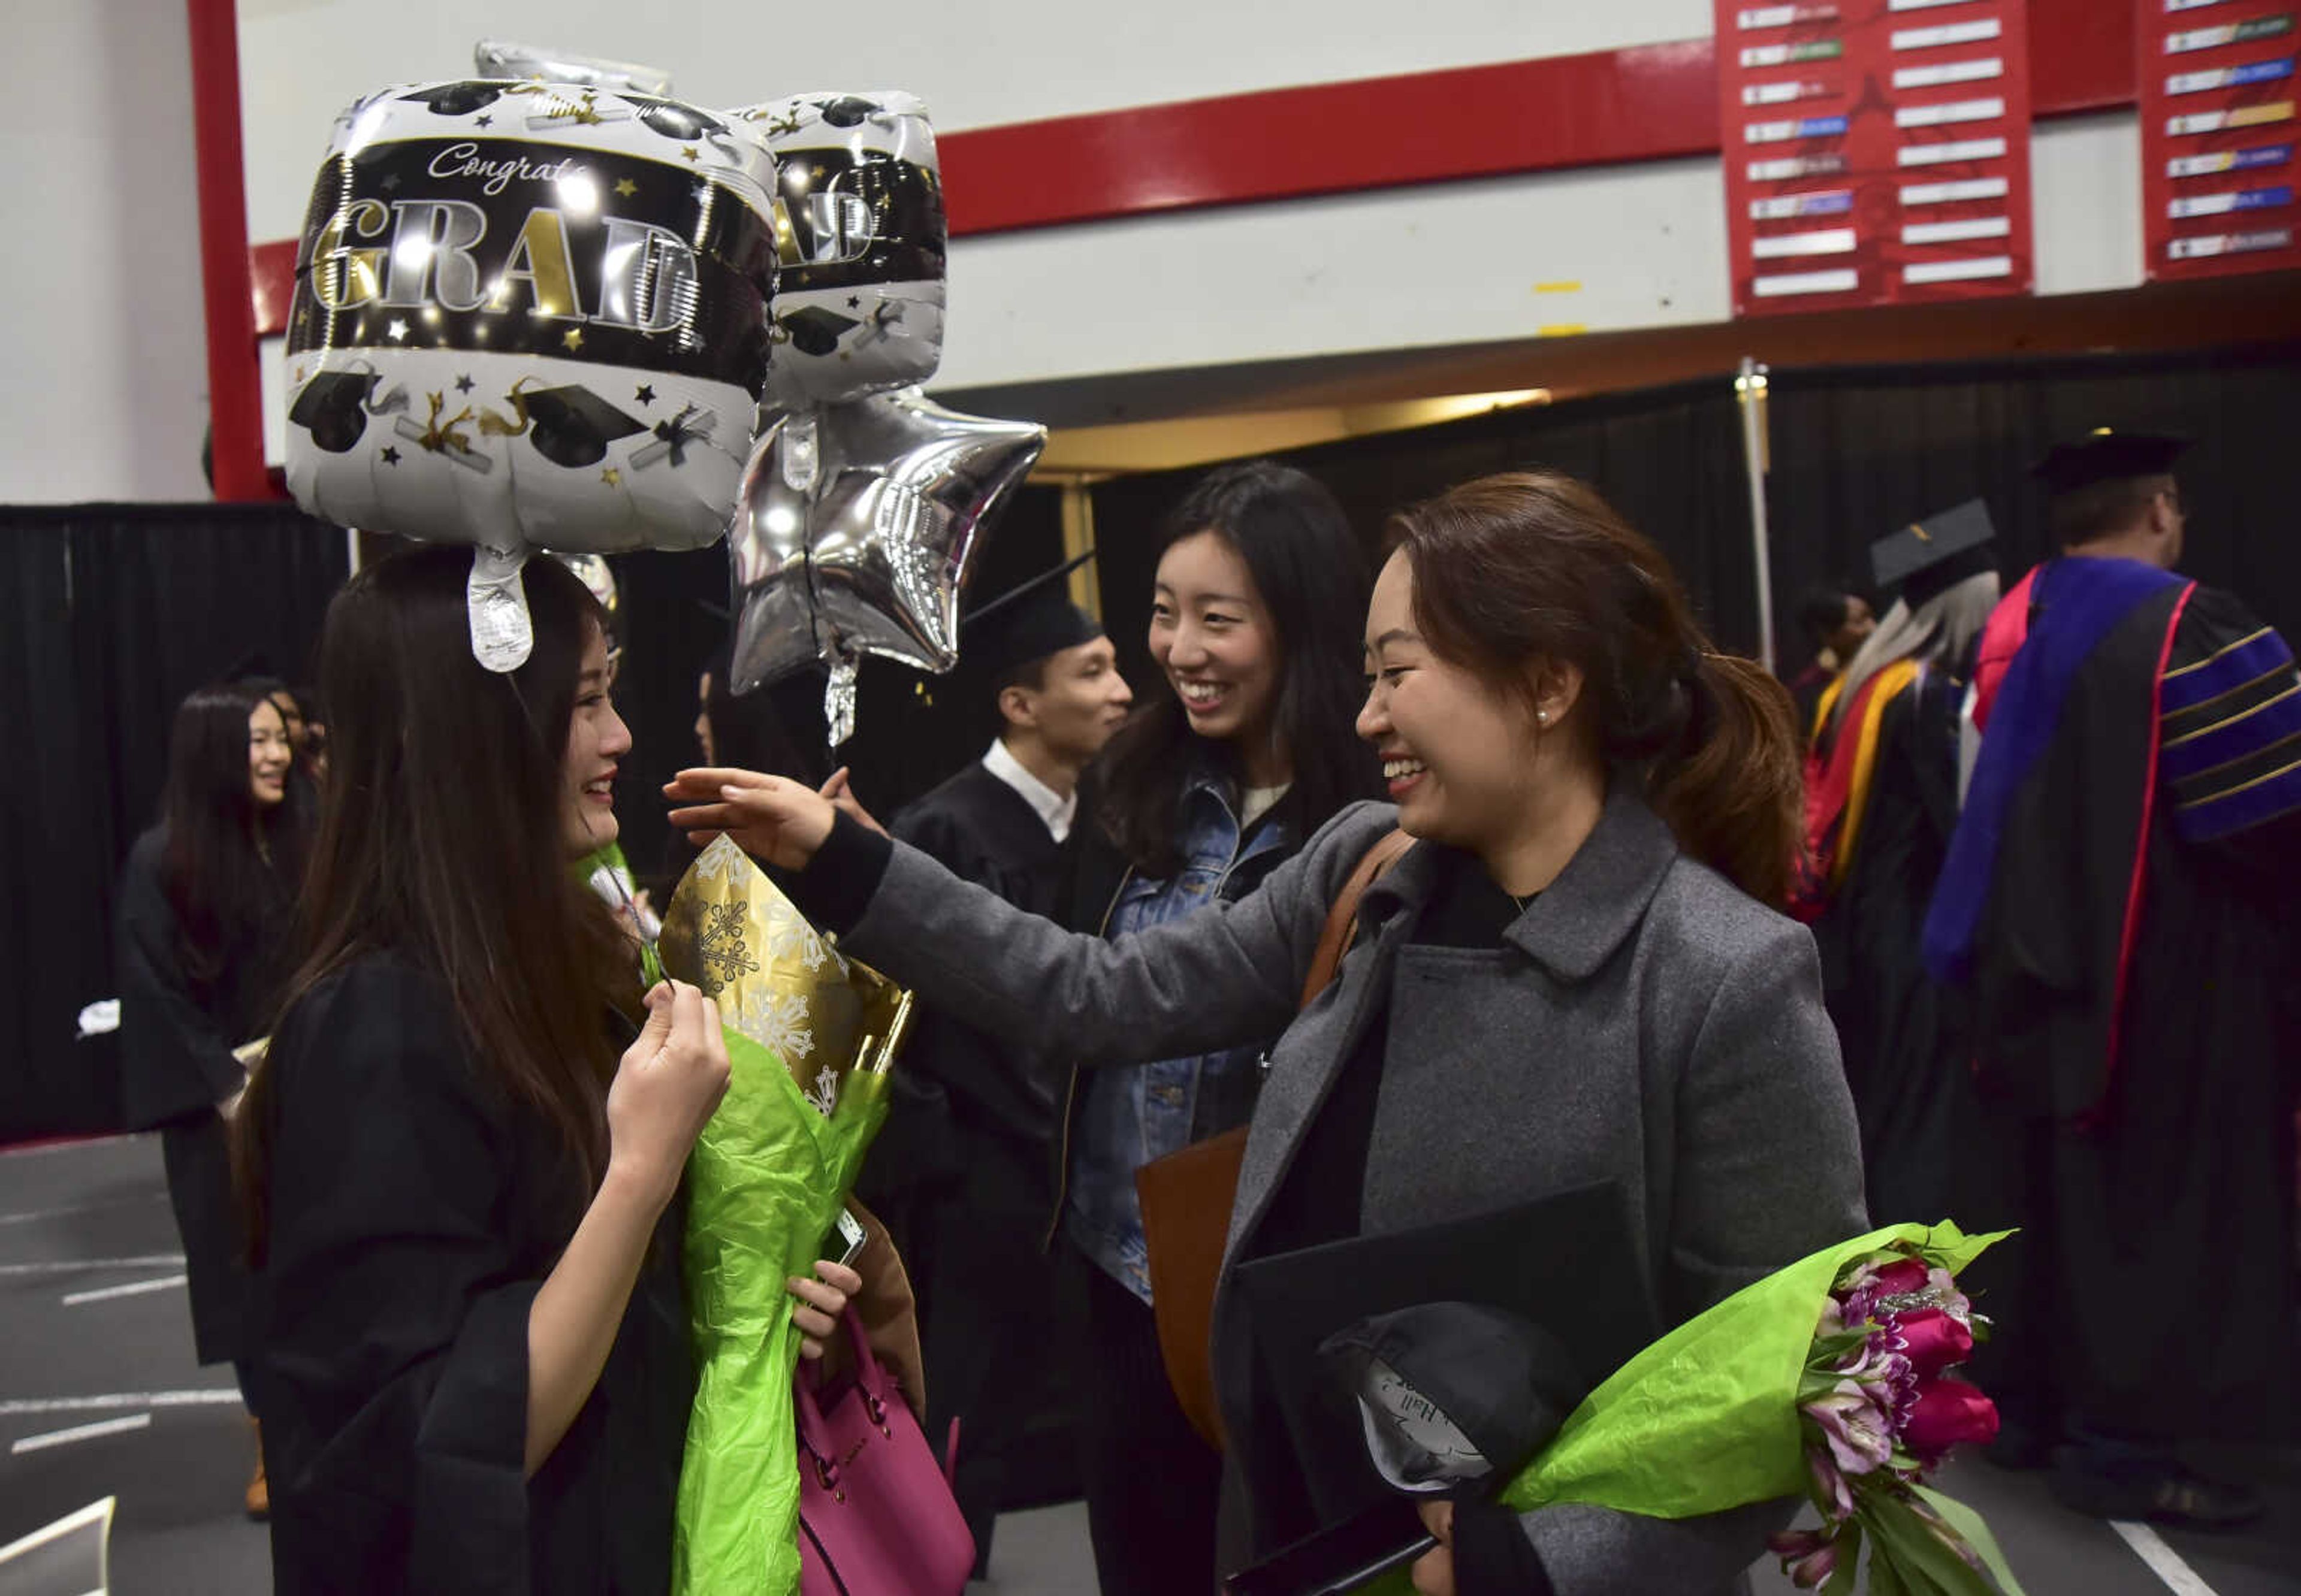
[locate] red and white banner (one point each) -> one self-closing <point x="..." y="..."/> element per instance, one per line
<point x="1877" y="151"/>
<point x="2217" y="136"/>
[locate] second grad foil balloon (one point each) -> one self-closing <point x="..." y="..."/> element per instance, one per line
<point x="858" y="308"/>
<point x="531" y="314"/>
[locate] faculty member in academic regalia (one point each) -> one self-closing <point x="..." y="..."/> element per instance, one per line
<point x="1881" y="803"/>
<point x="969" y="1218"/>
<point x="205" y="901"/>
<point x="2120" y="896"/>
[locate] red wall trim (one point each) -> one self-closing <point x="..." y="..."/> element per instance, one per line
<point x="1653" y="102"/>
<point x="1636" y="105"/>
<point x="235" y="389"/>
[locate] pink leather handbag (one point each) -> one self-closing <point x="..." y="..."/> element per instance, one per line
<point x="876" y="1516"/>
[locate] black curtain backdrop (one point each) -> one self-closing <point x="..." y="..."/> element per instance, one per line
<point x="1859" y="452"/>
<point x="1669" y="458"/>
<point x="911" y="731"/>
<point x="114" y="614"/>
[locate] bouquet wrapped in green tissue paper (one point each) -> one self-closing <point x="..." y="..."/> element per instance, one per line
<point x="1826" y="1379"/>
<point x="810" y="1035"/>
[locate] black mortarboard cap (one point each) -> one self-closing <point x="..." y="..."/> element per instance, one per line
<point x="814" y="329"/>
<point x="2103" y="455"/>
<point x="1028" y="622"/>
<point x="1563" y="1262"/>
<point x="572" y="426"/>
<point x="1932" y="556"/>
<point x="1451" y="1392"/>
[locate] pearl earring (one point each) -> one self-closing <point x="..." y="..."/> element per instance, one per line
<point x="1542" y="717"/>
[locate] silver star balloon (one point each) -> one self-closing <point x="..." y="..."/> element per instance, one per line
<point x="854" y="530"/>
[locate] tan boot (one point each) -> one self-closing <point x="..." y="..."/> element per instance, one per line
<point x="259" y="1494"/>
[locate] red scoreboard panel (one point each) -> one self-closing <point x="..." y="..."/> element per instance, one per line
<point x="2217" y="136"/>
<point x="1877" y="151"/>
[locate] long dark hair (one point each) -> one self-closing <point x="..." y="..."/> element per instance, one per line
<point x="231" y="865"/>
<point x="1311" y="575"/>
<point x="1514" y="568"/>
<point x="440" y="840"/>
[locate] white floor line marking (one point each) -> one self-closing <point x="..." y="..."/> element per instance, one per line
<point x="153" y="1260"/>
<point x="134" y="1288"/>
<point x="103" y="1427"/>
<point x="2164" y="1561"/>
<point x="216" y="1396"/>
<point x="33" y="1216"/>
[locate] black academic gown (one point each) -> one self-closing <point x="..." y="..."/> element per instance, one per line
<point x="2145" y="1143"/>
<point x="414" y="1211"/>
<point x="1902" y="1034"/>
<point x="176" y="1037"/>
<point x="963" y="1171"/>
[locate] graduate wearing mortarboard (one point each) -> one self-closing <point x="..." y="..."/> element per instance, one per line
<point x="972" y="1240"/>
<point x="1881" y="803"/>
<point x="2118" y="900"/>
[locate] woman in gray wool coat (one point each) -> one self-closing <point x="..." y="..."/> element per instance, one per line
<point x="1572" y="976"/>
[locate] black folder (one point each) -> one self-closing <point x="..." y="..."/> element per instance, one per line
<point x="1565" y="1262"/>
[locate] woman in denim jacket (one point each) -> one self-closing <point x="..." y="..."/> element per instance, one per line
<point x="1571" y="976"/>
<point x="1254" y="622"/>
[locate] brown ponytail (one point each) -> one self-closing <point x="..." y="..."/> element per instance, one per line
<point x="1523" y="566"/>
<point x="1734" y="797"/>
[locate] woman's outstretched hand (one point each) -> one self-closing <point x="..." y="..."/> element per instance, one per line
<point x="778" y="821"/>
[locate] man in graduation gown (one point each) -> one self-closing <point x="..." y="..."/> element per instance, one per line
<point x="2119" y="899"/>
<point x="1881" y="787"/>
<point x="969" y="1213"/>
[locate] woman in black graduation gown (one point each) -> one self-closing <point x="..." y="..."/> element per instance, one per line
<point x="467" y="1313"/>
<point x="205" y="902"/>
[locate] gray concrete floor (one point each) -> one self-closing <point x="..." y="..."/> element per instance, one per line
<point x="93" y="1215"/>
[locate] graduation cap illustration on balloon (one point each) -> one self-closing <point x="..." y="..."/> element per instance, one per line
<point x="456" y="99"/>
<point x="569" y="426"/>
<point x="814" y="330"/>
<point x="672" y="120"/>
<point x="334" y="407"/>
<point x="849" y="110"/>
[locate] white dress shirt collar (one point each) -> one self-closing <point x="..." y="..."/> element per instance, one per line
<point x="1053" y="808"/>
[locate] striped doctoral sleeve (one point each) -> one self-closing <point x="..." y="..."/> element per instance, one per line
<point x="2230" y="753"/>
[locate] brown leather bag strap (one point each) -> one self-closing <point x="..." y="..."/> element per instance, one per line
<point x="1343" y="918"/>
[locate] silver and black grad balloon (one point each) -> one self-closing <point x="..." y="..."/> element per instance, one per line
<point x="859" y="304"/>
<point x="531" y="315"/>
<point x="858" y="526"/>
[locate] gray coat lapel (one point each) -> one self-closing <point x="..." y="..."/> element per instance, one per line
<point x="1572" y="929"/>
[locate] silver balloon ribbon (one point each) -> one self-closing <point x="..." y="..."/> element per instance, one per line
<point x="839" y="701"/>
<point x="503" y="633"/>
